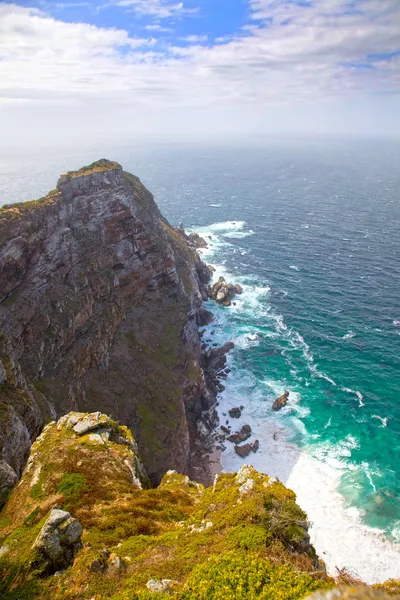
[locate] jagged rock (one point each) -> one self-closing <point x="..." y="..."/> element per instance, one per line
<point x="59" y="540"/>
<point x="91" y="422"/>
<point x="240" y="436"/>
<point x="8" y="478"/>
<point x="225" y="429"/>
<point x="215" y="358"/>
<point x="235" y="413"/>
<point x="245" y="450"/>
<point x="281" y="401"/>
<point x="223" y="292"/>
<point x="358" y="592"/>
<point x="160" y="585"/>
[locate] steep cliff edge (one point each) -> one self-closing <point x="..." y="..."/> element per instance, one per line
<point x="99" y="300"/>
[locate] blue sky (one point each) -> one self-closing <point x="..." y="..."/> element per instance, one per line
<point x="186" y="68"/>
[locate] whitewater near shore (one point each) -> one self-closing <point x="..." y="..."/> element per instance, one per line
<point x="337" y="530"/>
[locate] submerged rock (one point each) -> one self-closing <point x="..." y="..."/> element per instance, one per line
<point x="281" y="401"/>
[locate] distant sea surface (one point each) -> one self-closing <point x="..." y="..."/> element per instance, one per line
<point x="312" y="232"/>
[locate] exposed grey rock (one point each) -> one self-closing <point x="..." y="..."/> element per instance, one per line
<point x="91" y="422"/>
<point x="8" y="478"/>
<point x="160" y="585"/>
<point x="59" y="540"/>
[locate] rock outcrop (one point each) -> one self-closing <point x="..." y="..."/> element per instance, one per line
<point x="100" y="299"/>
<point x="281" y="401"/>
<point x="223" y="292"/>
<point x="58" y="541"/>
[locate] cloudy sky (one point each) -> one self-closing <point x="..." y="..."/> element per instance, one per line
<point x="117" y="69"/>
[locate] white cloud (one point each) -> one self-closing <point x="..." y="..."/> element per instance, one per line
<point x="161" y="9"/>
<point x="194" y="39"/>
<point x="301" y="63"/>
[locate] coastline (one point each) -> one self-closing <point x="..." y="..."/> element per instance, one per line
<point x="337" y="531"/>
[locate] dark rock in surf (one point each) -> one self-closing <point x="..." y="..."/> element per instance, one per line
<point x="281" y="401"/>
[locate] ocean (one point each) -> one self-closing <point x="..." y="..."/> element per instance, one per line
<point x="311" y="231"/>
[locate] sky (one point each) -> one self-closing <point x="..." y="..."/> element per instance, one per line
<point x="121" y="70"/>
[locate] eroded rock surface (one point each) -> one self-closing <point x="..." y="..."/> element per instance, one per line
<point x="59" y="540"/>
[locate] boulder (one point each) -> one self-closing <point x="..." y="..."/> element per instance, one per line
<point x="161" y="585"/>
<point x="59" y="540"/>
<point x="91" y="422"/>
<point x="223" y="292"/>
<point x="245" y="450"/>
<point x="235" y="413"/>
<point x="281" y="401"/>
<point x="240" y="436"/>
<point x="225" y="429"/>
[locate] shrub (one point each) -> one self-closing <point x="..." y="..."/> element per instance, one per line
<point x="72" y="486"/>
<point x="246" y="576"/>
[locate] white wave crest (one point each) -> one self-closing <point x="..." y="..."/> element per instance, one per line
<point x="383" y="420"/>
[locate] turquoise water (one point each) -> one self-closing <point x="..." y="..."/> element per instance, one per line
<point x="312" y="231"/>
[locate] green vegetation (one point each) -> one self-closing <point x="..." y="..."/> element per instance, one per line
<point x="243" y="538"/>
<point x="247" y="576"/>
<point x="72" y="485"/>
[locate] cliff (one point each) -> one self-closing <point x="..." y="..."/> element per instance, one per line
<point x="99" y="304"/>
<point x="84" y="524"/>
<point x="124" y="540"/>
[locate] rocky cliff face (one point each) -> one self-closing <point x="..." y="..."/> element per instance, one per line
<point x="99" y="303"/>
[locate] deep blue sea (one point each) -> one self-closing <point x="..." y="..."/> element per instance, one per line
<point x="312" y="232"/>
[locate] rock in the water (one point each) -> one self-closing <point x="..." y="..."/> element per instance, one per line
<point x="359" y="592"/>
<point x="59" y="540"/>
<point x="281" y="401"/>
<point x="225" y="429"/>
<point x="235" y="413"/>
<point x="245" y="450"/>
<point x="223" y="292"/>
<point x="240" y="436"/>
